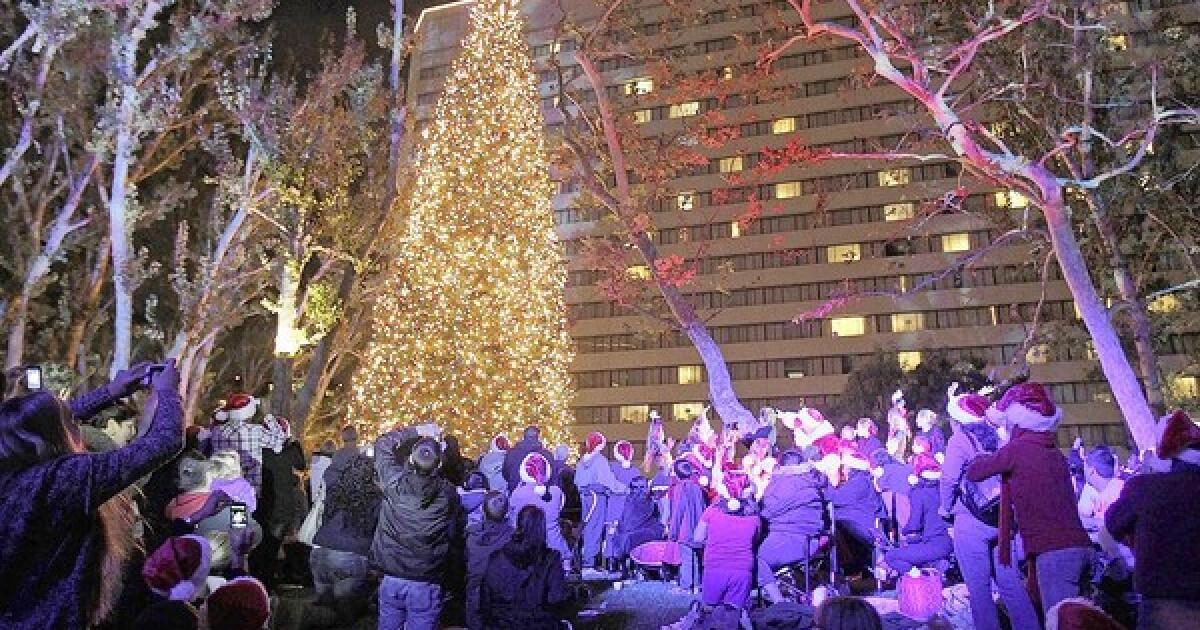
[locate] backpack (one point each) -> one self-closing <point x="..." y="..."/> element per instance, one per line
<point x="984" y="507"/>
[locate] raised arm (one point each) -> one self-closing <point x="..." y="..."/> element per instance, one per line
<point x="390" y="464"/>
<point x="126" y="382"/>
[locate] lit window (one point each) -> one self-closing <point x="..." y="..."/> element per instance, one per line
<point x="907" y="322"/>
<point x="894" y="177"/>
<point x="849" y="252"/>
<point x="1039" y="353"/>
<point x="908" y="359"/>
<point x="685" y="200"/>
<point x="787" y="190"/>
<point x="642" y="116"/>
<point x="903" y="283"/>
<point x="1011" y="199"/>
<point x="958" y="242"/>
<point x="727" y="73"/>
<point x="731" y="164"/>
<point x="1116" y="43"/>
<point x="783" y="125"/>
<point x="849" y="326"/>
<point x="1090" y="349"/>
<point x="995" y="311"/>
<point x="1078" y="313"/>
<point x="1166" y="304"/>
<point x="634" y="414"/>
<point x="735" y="229"/>
<point x="638" y="86"/>
<point x="683" y="110"/>
<point x="1102" y="394"/>
<point x="685" y="411"/>
<point x="1186" y="386"/>
<point x="898" y="212"/>
<point x="691" y="374"/>
<point x="640" y="272"/>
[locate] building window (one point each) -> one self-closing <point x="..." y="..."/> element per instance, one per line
<point x="787" y="190"/>
<point x="1186" y="386"/>
<point x="640" y="272"/>
<point x="685" y="200"/>
<point x="691" y="374"/>
<point x="684" y="411"/>
<point x="898" y="211"/>
<point x="957" y="242"/>
<point x="684" y="110"/>
<point x="1116" y="43"/>
<point x="894" y="177"/>
<point x="1011" y="199"/>
<point x="735" y="229"/>
<point x="731" y="164"/>
<point x="793" y="368"/>
<point x="849" y="252"/>
<point x="638" y="86"/>
<point x="1038" y="353"/>
<point x="908" y="359"/>
<point x="1165" y="304"/>
<point x="783" y="125"/>
<point x="643" y="116"/>
<point x="907" y="322"/>
<point x="848" y="326"/>
<point x="727" y="73"/>
<point x="634" y="414"/>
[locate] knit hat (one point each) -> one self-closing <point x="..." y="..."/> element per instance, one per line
<point x="500" y="443"/>
<point x="178" y="568"/>
<point x="924" y="467"/>
<point x="623" y="452"/>
<point x="1078" y="613"/>
<point x="595" y="442"/>
<point x="968" y="408"/>
<point x="238" y="407"/>
<point x="1030" y="407"/>
<point x="241" y="604"/>
<point x="536" y="470"/>
<point x="1180" y="438"/>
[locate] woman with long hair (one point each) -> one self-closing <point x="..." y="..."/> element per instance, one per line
<point x="524" y="586"/>
<point x="66" y="529"/>
<point x="343" y="543"/>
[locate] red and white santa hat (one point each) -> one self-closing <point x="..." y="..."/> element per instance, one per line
<point x="733" y="489"/>
<point x="968" y="408"/>
<point x="595" y="442"/>
<point x="921" y="444"/>
<point x="500" y="443"/>
<point x="1179" y="438"/>
<point x="237" y="407"/>
<point x="240" y="603"/>
<point x="1030" y="407"/>
<point x="536" y="470"/>
<point x="925" y="467"/>
<point x="852" y="459"/>
<point x="623" y="452"/>
<point x="177" y="569"/>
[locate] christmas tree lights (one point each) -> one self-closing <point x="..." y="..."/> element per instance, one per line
<point x="471" y="328"/>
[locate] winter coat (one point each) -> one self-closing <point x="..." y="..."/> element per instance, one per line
<point x="335" y="532"/>
<point x="923" y="520"/>
<point x="281" y="501"/>
<point x="483" y="539"/>
<point x="794" y="501"/>
<point x="593" y="472"/>
<point x="687" y="501"/>
<point x="856" y="502"/>
<point x="50" y="554"/>
<point x="966" y="442"/>
<point x="421" y="514"/>
<point x="524" y="596"/>
<point x="515" y="455"/>
<point x="551" y="505"/>
<point x="623" y="474"/>
<point x="1159" y="514"/>
<point x="936" y="437"/>
<point x="491" y="464"/>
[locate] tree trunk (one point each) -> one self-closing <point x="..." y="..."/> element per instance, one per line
<point x="83" y="312"/>
<point x="281" y="393"/>
<point x="119" y="234"/>
<point x="315" y="379"/>
<point x="18" y="313"/>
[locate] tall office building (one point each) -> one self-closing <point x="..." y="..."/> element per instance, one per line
<point x="795" y="256"/>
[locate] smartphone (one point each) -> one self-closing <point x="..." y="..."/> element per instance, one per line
<point x="33" y="378"/>
<point x="237" y="515"/>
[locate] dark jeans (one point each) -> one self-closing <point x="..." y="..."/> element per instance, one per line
<point x="919" y="554"/>
<point x="340" y="577"/>
<point x="1062" y="574"/>
<point x="975" y="545"/>
<point x="409" y="605"/>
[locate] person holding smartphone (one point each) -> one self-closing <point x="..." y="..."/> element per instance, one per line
<point x="66" y="527"/>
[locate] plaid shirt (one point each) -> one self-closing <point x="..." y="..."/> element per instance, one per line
<point x="248" y="440"/>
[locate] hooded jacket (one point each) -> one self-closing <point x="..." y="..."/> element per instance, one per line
<point x="520" y="594"/>
<point x="483" y="539"/>
<point x="793" y="503"/>
<point x="420" y="515"/>
<point x="595" y="473"/>
<point x="515" y="455"/>
<point x="623" y="474"/>
<point x="491" y="464"/>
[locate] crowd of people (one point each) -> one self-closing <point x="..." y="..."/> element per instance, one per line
<point x="141" y="523"/>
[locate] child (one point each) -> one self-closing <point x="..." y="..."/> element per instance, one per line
<point x="927" y="537"/>
<point x="483" y="538"/>
<point x="728" y="530"/>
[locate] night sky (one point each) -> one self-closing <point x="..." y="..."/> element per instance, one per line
<point x="300" y="25"/>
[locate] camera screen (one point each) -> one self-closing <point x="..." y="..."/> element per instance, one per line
<point x="237" y="515"/>
<point x="33" y="378"/>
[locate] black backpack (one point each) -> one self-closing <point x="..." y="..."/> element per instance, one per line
<point x="985" y="509"/>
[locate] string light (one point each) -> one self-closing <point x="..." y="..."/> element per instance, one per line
<point x="471" y="330"/>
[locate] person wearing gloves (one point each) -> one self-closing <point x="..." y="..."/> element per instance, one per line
<point x="484" y="538"/>
<point x="927" y="539"/>
<point x="535" y="489"/>
<point x="793" y="507"/>
<point x="419" y="518"/>
<point x="1158" y="514"/>
<point x="233" y="430"/>
<point x="491" y="463"/>
<point x="1036" y="489"/>
<point x="67" y="528"/>
<point x="976" y="544"/>
<point x="596" y="482"/>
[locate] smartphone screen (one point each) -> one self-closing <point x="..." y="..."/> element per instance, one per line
<point x="33" y="378"/>
<point x="237" y="515"/>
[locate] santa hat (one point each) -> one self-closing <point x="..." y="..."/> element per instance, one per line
<point x="500" y="443"/>
<point x="178" y="568"/>
<point x="241" y="604"/>
<point x="1180" y="438"/>
<point x="1078" y="613"/>
<point x="1029" y="406"/>
<point x="623" y="452"/>
<point x="968" y="408"/>
<point x="866" y="427"/>
<point x="595" y="442"/>
<point x="237" y="408"/>
<point x="925" y="467"/>
<point x="921" y="444"/>
<point x="536" y="470"/>
<point x="809" y="419"/>
<point x="733" y="488"/>
<point x="852" y="459"/>
<point x="926" y="419"/>
<point x="898" y="398"/>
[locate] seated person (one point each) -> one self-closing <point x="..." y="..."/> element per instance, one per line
<point x="927" y="539"/>
<point x="639" y="522"/>
<point x="793" y="507"/>
<point x="856" y="508"/>
<point x="524" y="585"/>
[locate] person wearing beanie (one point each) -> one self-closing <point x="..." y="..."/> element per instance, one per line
<point x="687" y="500"/>
<point x="728" y="529"/>
<point x="856" y="508"/>
<point x="1036" y="490"/>
<point x="491" y="463"/>
<point x="929" y="429"/>
<point x="624" y="472"/>
<point x="420" y="516"/>
<point x="531" y="442"/>
<point x="1158" y="516"/>
<point x="535" y="489"/>
<point x="233" y="430"/>
<point x="926" y="537"/>
<point x="596" y="482"/>
<point x="484" y="538"/>
<point x="975" y="542"/>
<point x="178" y="569"/>
<point x="239" y="604"/>
<point x="793" y="508"/>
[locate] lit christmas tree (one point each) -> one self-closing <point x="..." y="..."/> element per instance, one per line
<point x="471" y="330"/>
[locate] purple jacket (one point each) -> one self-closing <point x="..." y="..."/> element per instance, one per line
<point x="793" y="503"/>
<point x="49" y="551"/>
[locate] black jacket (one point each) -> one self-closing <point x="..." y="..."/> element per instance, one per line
<point x="529" y="597"/>
<point x="514" y="456"/>
<point x="420" y="516"/>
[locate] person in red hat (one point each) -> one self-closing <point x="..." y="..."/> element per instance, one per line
<point x="233" y="430"/>
<point x="240" y="604"/>
<point x="1158" y="515"/>
<point x="1036" y="488"/>
<point x="927" y="539"/>
<point x="624" y="472"/>
<point x="596" y="482"/>
<point x="535" y="489"/>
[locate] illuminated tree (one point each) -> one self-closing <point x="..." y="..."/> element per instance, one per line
<point x="470" y="332"/>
